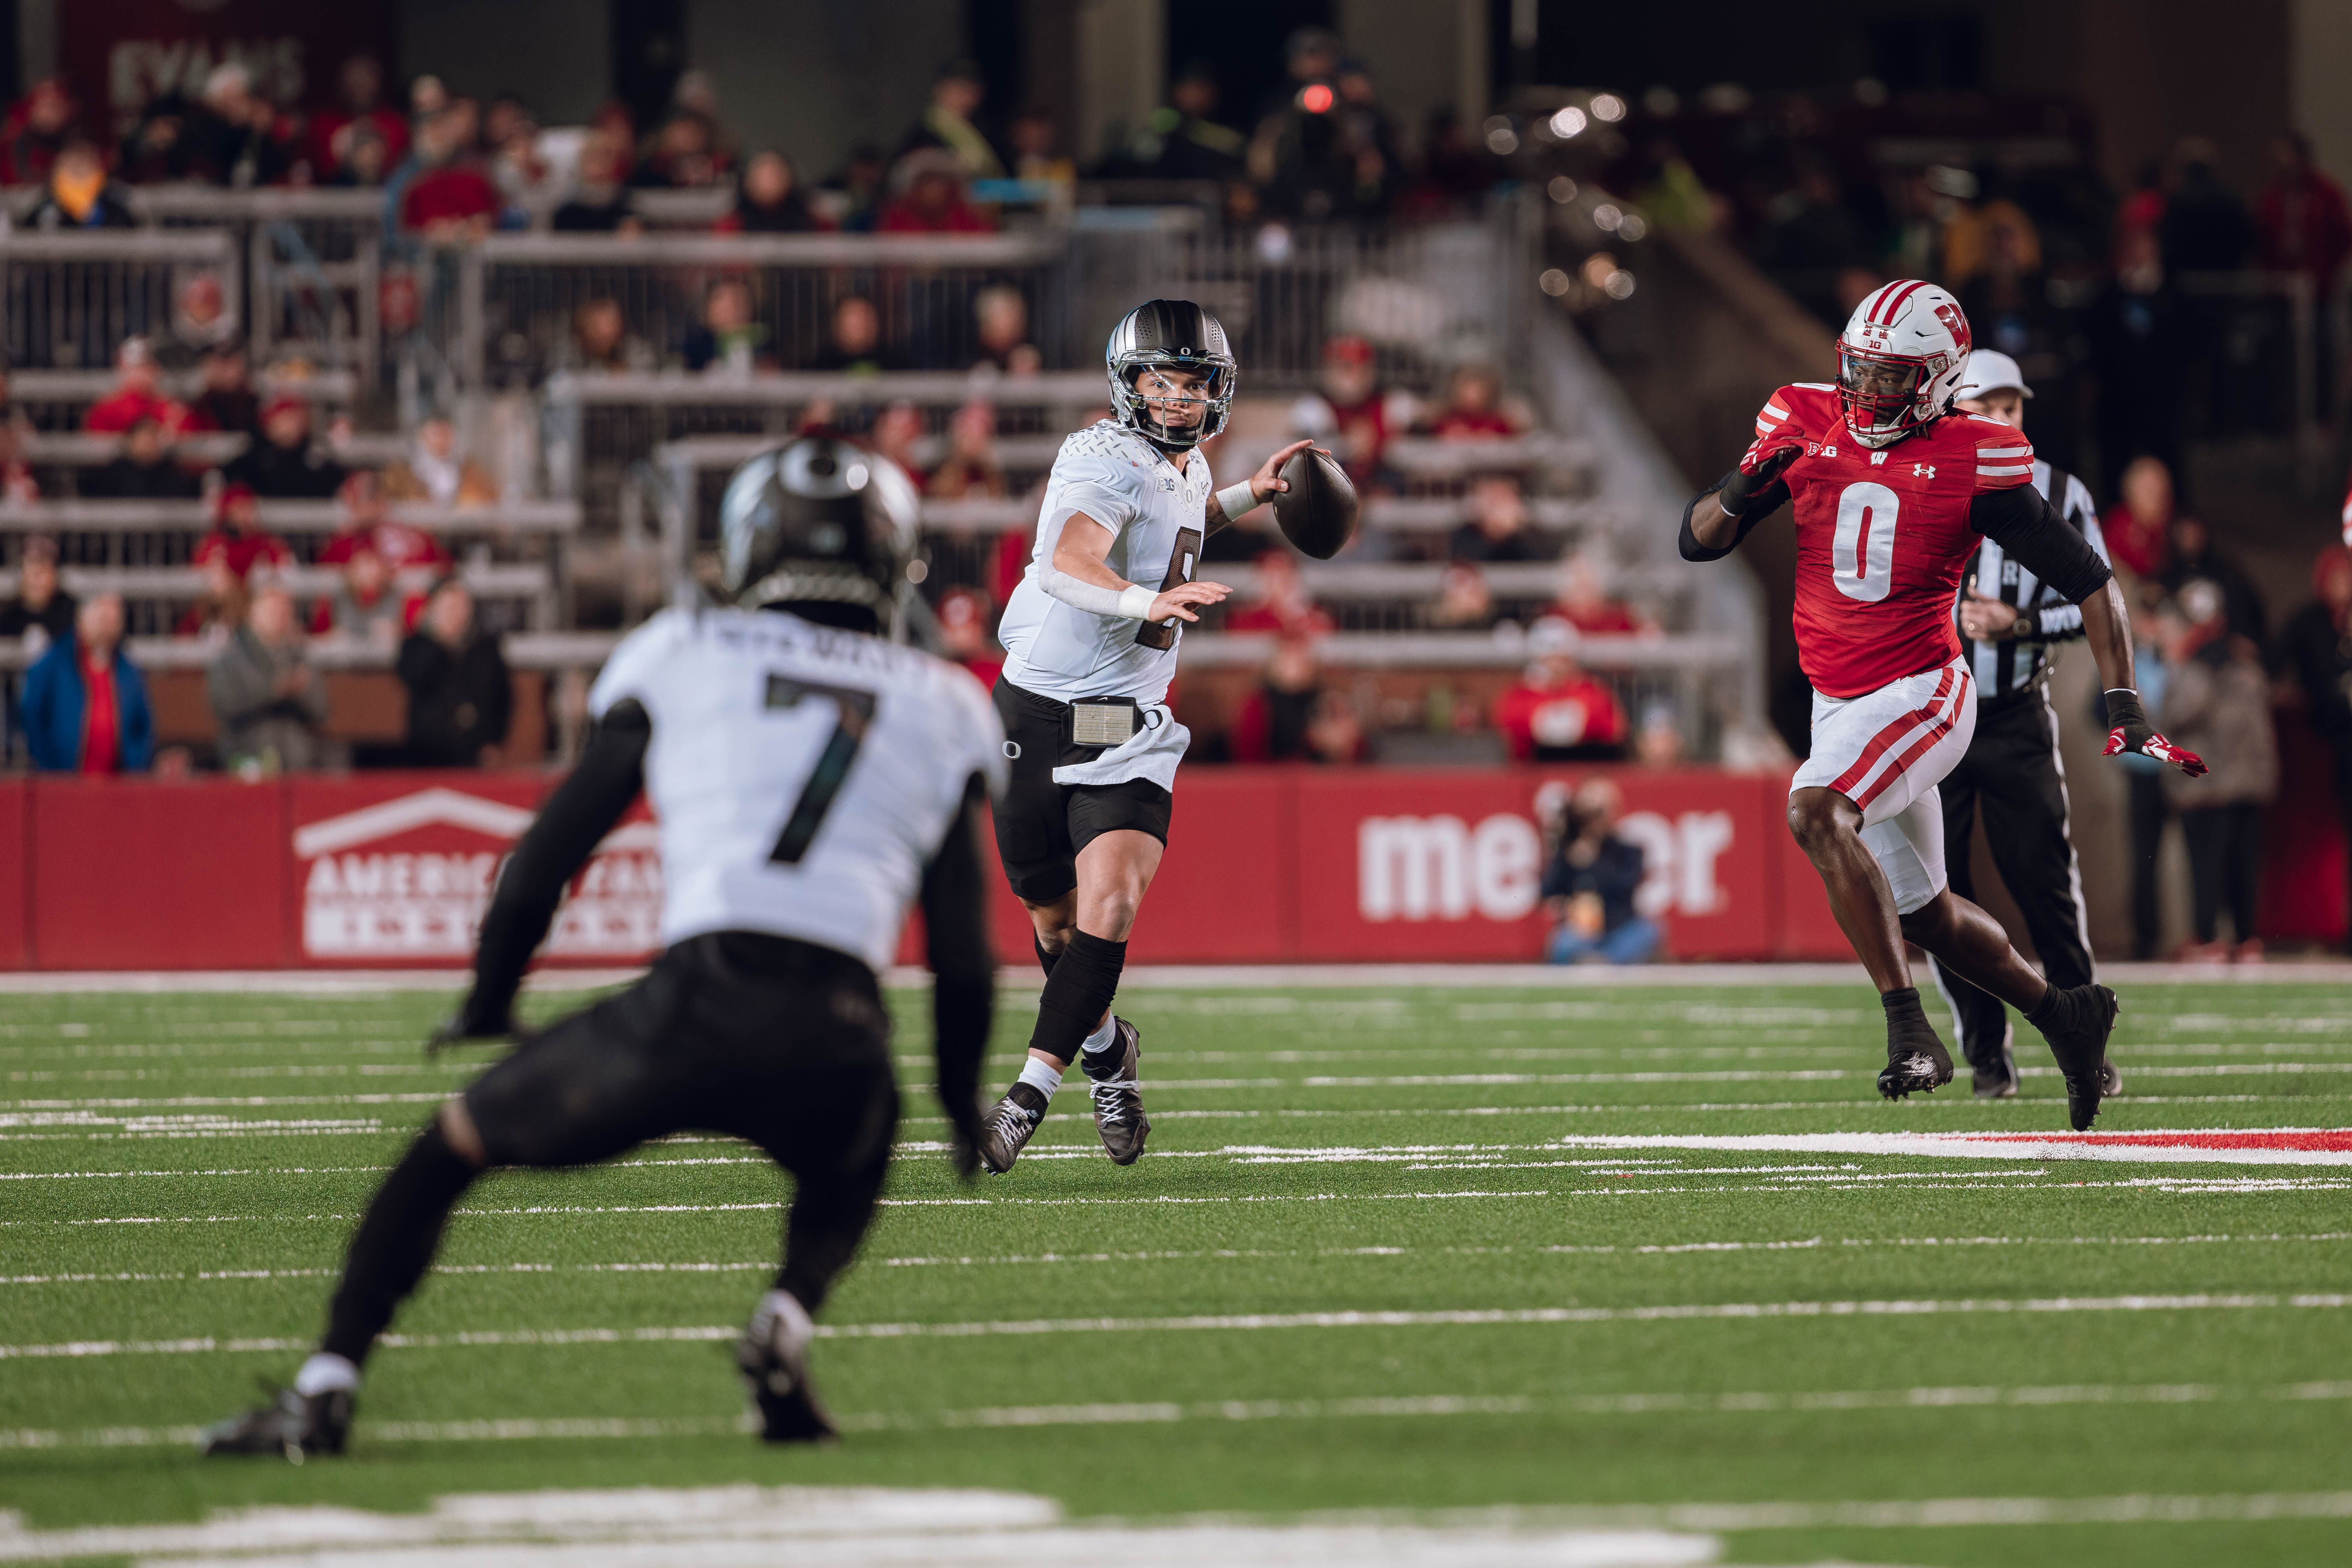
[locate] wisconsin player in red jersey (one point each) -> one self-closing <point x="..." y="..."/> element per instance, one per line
<point x="1893" y="491"/>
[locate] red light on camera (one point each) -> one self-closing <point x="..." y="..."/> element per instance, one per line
<point x="1315" y="100"/>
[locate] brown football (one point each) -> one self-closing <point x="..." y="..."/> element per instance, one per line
<point x="1317" y="514"/>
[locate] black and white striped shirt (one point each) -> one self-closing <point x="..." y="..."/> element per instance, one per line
<point x="2013" y="666"/>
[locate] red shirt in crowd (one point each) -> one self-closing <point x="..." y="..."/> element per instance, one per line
<point x="1479" y="425"/>
<point x="243" y="551"/>
<point x="458" y="193"/>
<point x="2306" y="226"/>
<point x="2142" y="547"/>
<point x="959" y="216"/>
<point x="102" y="736"/>
<point x="401" y="546"/>
<point x="1579" y="711"/>
<point x="1602" y="618"/>
<point x="326" y="127"/>
<point x="119" y="411"/>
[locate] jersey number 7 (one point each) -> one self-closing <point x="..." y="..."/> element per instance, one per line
<point x="832" y="765"/>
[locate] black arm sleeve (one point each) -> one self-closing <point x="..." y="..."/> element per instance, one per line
<point x="1766" y="501"/>
<point x="584" y="807"/>
<point x="2024" y="526"/>
<point x="962" y="959"/>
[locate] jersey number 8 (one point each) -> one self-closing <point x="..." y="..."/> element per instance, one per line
<point x="1862" y="557"/>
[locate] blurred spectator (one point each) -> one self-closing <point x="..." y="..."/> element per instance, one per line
<point x="365" y="607"/>
<point x="2008" y="307"/>
<point x="1454" y="172"/>
<point x="460" y="697"/>
<point x="697" y="93"/>
<point x="599" y="337"/>
<point x="1810" y="232"/>
<point x="767" y="199"/>
<point x="360" y="114"/>
<point x="897" y="434"/>
<point x="1497" y="528"/>
<point x="283" y="463"/>
<point x="964" y="638"/>
<point x="1326" y="155"/>
<point x="435" y="473"/>
<point x="84" y="707"/>
<point x="237" y="540"/>
<point x="1000" y="318"/>
<point x="947" y="124"/>
<point x="202" y="321"/>
<point x="1659" y="741"/>
<point x="729" y="336"/>
<point x="2217" y="704"/>
<point x="78" y="193"/>
<point x="219" y="608"/>
<point x="226" y="398"/>
<point x="17" y="484"/>
<point x="450" y="199"/>
<point x="971" y="469"/>
<point x="38" y="126"/>
<point x="684" y="154"/>
<point x="1474" y="410"/>
<point x="158" y="148"/>
<point x="2192" y="558"/>
<point x="1558" y="713"/>
<point x="1183" y="140"/>
<point x="1466" y="602"/>
<point x="368" y="160"/>
<point x="1589" y="885"/>
<point x="2301" y="216"/>
<point x="2143" y="776"/>
<point x="2138" y="527"/>
<point x="1275" y="720"/>
<point x="143" y="470"/>
<point x="1282" y="602"/>
<point x="599" y="202"/>
<point x="236" y="137"/>
<point x="854" y="194"/>
<point x="1586" y="604"/>
<point x="42" y="612"/>
<point x="2317" y="644"/>
<point x="134" y="396"/>
<point x="271" y="705"/>
<point x="524" y="179"/>
<point x="1671" y="192"/>
<point x="1349" y="412"/>
<point x="1336" y="734"/>
<point x="368" y="525"/>
<point x="1035" y="143"/>
<point x="856" y="346"/>
<point x="932" y="198"/>
<point x="2205" y="228"/>
<point x="2142" y="211"/>
<point x="1980" y="233"/>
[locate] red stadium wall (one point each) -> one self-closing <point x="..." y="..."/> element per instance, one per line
<point x="1266" y="865"/>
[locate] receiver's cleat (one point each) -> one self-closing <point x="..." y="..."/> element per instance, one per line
<point x="1993" y="1074"/>
<point x="1006" y="1129"/>
<point x="291" y="1426"/>
<point x="1915" y="1066"/>
<point x="1119" y="1095"/>
<point x="2077" y="1031"/>
<point x="777" y="1369"/>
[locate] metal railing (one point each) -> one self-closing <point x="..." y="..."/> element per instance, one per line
<point x="70" y="300"/>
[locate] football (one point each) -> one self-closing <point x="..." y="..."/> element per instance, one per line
<point x="1317" y="512"/>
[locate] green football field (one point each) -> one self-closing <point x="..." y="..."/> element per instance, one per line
<point x="1358" y="1273"/>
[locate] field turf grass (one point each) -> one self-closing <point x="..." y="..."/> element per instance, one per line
<point x="182" y="1167"/>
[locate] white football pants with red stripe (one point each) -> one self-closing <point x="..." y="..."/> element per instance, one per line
<point x="1886" y="751"/>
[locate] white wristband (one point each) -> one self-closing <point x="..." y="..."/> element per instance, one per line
<point x="1135" y="600"/>
<point x="1235" y="499"/>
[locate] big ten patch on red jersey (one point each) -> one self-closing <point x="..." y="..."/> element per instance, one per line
<point x="1883" y="536"/>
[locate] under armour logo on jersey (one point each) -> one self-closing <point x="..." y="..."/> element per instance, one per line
<point x="1923" y="470"/>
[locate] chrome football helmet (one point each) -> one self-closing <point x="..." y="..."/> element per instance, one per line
<point x="1172" y="335"/>
<point x="818" y="520"/>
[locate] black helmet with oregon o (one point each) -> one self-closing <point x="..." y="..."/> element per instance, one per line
<point x="1170" y="335"/>
<point x="818" y="521"/>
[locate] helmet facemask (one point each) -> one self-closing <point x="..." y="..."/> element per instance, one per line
<point x="1176" y="386"/>
<point x="1881" y="395"/>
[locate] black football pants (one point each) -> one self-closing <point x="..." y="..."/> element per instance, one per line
<point x="780" y="1043"/>
<point x="2013" y="771"/>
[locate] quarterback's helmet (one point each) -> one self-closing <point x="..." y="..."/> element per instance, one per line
<point x="817" y="519"/>
<point x="1173" y="334"/>
<point x="1900" y="361"/>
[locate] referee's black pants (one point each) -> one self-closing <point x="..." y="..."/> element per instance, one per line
<point x="2013" y="770"/>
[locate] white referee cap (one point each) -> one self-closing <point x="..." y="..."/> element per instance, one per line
<point x="1989" y="370"/>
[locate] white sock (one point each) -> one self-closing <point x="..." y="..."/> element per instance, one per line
<point x="324" y="1374"/>
<point x="784" y="1322"/>
<point x="1101" y="1038"/>
<point x="1042" y="1076"/>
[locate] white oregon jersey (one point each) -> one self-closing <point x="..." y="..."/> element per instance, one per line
<point x="803" y="777"/>
<point x="1156" y="517"/>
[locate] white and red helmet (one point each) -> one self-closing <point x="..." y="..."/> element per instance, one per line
<point x="1900" y="361"/>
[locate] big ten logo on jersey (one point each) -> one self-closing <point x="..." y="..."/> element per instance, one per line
<point x="1182" y="561"/>
<point x="1441" y="868"/>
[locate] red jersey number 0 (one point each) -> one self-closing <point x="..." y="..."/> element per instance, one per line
<point x="1862" y="558"/>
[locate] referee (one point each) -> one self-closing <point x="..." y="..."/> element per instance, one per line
<point x="2009" y="619"/>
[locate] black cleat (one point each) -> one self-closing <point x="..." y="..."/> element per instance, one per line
<point x="1005" y="1131"/>
<point x="774" y="1362"/>
<point x="2082" y="1019"/>
<point x="2111" y="1083"/>
<point x="1921" y="1065"/>
<point x="291" y="1426"/>
<point x="1119" y="1095"/>
<point x="1993" y="1074"/>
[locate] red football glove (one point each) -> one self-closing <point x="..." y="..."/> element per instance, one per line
<point x="1762" y="463"/>
<point x="2129" y="731"/>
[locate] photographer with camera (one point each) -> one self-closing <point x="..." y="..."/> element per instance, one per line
<point x="1590" y="882"/>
